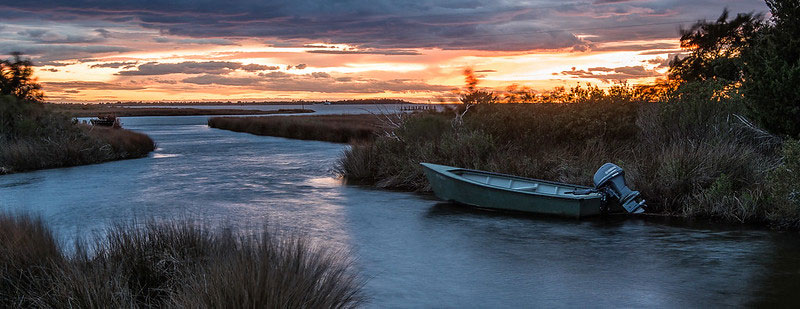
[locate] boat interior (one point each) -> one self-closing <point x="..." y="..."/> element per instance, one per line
<point x="517" y="184"/>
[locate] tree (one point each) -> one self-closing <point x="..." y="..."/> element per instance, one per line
<point x="16" y="79"/>
<point x="771" y="75"/>
<point x="715" y="48"/>
<point x="472" y="96"/>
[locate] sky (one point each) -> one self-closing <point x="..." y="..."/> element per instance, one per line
<point x="181" y="50"/>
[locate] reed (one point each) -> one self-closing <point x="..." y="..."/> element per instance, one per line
<point x="329" y="128"/>
<point x="180" y="264"/>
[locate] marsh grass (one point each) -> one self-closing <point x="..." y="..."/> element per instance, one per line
<point x="329" y="128"/>
<point x="688" y="158"/>
<point x="180" y="264"/>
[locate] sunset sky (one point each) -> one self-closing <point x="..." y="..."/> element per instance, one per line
<point x="280" y="50"/>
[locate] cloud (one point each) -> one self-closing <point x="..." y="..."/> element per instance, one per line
<point x="299" y="66"/>
<point x="386" y="24"/>
<point x="275" y="75"/>
<point x="188" y="67"/>
<point x="64" y="37"/>
<point x="396" y="26"/>
<point x="222" y="80"/>
<point x="125" y="65"/>
<point x="211" y="41"/>
<point x="388" y="52"/>
<point x="50" y="54"/>
<point x="280" y="81"/>
<point x="637" y="46"/>
<point x="84" y="85"/>
<point x="103" y="32"/>
<point x="257" y="67"/>
<point x="612" y="74"/>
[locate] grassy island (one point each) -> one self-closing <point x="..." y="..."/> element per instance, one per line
<point x="32" y="137"/>
<point x="328" y="128"/>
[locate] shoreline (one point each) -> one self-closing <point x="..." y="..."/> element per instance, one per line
<point x="83" y="111"/>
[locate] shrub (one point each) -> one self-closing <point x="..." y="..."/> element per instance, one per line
<point x="784" y="187"/>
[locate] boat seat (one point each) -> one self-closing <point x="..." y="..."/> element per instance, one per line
<point x="528" y="188"/>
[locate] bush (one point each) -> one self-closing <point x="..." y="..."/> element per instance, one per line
<point x="784" y="187"/>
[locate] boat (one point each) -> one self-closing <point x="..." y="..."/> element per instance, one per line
<point x="512" y="193"/>
<point x="106" y="121"/>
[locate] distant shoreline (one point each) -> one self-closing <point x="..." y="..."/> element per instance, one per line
<point x="81" y="110"/>
<point x="240" y="103"/>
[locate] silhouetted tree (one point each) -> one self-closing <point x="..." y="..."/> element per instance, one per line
<point x="715" y="48"/>
<point x="471" y="96"/>
<point x="16" y="79"/>
<point x="771" y="76"/>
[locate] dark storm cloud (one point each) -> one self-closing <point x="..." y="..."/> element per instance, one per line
<point x="612" y="74"/>
<point x="387" y="27"/>
<point x="383" y="24"/>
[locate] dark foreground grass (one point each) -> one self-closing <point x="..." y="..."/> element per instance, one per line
<point x="31" y="138"/>
<point x="688" y="158"/>
<point x="171" y="264"/>
<point x="329" y="128"/>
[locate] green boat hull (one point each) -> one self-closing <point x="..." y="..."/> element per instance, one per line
<point x="504" y="192"/>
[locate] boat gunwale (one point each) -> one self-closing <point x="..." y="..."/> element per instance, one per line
<point x="449" y="172"/>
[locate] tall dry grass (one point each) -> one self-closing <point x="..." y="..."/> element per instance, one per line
<point x="329" y="128"/>
<point x="688" y="157"/>
<point x="172" y="264"/>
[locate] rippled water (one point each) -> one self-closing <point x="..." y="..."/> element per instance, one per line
<point x="415" y="251"/>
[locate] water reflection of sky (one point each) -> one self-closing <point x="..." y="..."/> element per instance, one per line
<point x="415" y="251"/>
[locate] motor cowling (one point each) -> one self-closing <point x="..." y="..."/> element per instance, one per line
<point x="610" y="180"/>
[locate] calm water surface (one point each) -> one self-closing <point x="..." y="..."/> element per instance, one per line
<point x="415" y="251"/>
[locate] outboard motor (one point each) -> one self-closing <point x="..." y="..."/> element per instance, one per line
<point x="610" y="179"/>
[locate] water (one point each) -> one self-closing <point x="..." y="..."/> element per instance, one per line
<point x="415" y="251"/>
